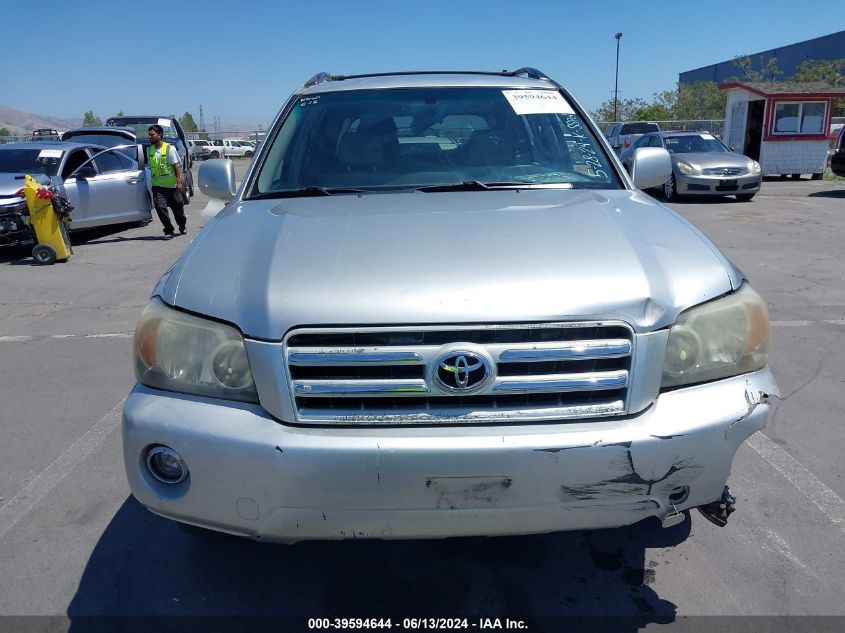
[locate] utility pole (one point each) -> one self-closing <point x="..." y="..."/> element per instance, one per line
<point x="202" y="120"/>
<point x="618" y="37"/>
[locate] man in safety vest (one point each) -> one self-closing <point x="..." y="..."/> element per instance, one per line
<point x="166" y="172"/>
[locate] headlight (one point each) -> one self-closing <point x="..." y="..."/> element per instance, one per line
<point x="723" y="338"/>
<point x="755" y="167"/>
<point x="180" y="352"/>
<point x="687" y="169"/>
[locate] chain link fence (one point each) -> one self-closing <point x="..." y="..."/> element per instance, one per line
<point x="240" y="135"/>
<point x="716" y="127"/>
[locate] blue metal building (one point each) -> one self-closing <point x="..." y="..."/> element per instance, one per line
<point x="827" y="47"/>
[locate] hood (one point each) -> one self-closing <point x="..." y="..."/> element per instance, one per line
<point x="709" y="160"/>
<point x="11" y="183"/>
<point x="456" y="257"/>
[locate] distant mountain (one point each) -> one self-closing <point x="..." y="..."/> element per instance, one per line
<point x="21" y="122"/>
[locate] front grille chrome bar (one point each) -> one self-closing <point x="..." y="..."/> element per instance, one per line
<point x="597" y="381"/>
<point x="316" y="357"/>
<point x="339" y="388"/>
<point x="572" y="350"/>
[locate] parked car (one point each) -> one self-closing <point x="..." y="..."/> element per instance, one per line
<point x="104" y="185"/>
<point x="217" y="149"/>
<point x="837" y="161"/>
<point x="385" y="339"/>
<point x="622" y="135"/>
<point x="107" y="136"/>
<point x="237" y="148"/>
<point x="44" y="134"/>
<point x="173" y="133"/>
<point x="200" y="149"/>
<point x="701" y="165"/>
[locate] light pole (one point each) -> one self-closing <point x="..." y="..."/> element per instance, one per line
<point x="616" y="83"/>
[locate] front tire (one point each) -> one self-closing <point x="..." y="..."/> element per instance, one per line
<point x="669" y="190"/>
<point x="215" y="154"/>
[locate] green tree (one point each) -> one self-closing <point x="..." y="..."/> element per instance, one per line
<point x="119" y="113"/>
<point x="188" y="123"/>
<point x="89" y="119"/>
<point x="700" y="100"/>
<point x="4" y="131"/>
<point x="625" y="110"/>
<point x="770" y="71"/>
<point x="830" y="71"/>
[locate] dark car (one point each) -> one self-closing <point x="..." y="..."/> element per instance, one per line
<point x="837" y="163"/>
<point x="173" y="133"/>
<point x="44" y="134"/>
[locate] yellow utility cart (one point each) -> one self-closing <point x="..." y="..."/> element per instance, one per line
<point x="48" y="225"/>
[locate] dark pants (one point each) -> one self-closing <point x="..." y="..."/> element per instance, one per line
<point x="164" y="197"/>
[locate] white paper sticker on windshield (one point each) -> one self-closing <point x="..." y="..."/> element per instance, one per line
<point x="537" y="102"/>
<point x="50" y="153"/>
<point x="164" y="122"/>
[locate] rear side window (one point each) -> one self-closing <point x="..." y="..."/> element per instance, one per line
<point x="639" y="127"/>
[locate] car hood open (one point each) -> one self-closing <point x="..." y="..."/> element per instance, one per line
<point x="478" y="257"/>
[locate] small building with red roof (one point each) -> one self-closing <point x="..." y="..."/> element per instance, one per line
<point x="782" y="125"/>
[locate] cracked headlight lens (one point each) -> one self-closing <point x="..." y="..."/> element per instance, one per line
<point x="687" y="169"/>
<point x="723" y="338"/>
<point x="180" y="352"/>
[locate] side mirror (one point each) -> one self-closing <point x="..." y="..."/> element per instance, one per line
<point x="85" y="172"/>
<point x="650" y="167"/>
<point x="217" y="179"/>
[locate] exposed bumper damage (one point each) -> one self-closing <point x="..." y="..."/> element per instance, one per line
<point x="252" y="476"/>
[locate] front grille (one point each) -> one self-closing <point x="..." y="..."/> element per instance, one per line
<point x="389" y="376"/>
<point x="723" y="171"/>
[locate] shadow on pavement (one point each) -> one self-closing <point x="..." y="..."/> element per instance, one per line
<point x="830" y="193"/>
<point x="145" y="565"/>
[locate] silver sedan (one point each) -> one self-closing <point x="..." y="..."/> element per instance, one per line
<point x="702" y="165"/>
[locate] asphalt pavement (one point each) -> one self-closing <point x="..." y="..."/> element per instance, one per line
<point x="74" y="544"/>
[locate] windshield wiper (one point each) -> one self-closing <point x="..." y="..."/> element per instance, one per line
<point x="469" y="185"/>
<point x="303" y="192"/>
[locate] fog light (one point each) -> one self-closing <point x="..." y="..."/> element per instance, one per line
<point x="165" y="465"/>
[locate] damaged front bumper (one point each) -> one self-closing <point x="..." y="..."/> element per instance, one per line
<point x="252" y="476"/>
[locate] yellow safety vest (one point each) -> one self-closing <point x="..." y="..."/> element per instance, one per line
<point x="163" y="174"/>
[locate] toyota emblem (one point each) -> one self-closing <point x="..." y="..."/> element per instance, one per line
<point x="462" y="371"/>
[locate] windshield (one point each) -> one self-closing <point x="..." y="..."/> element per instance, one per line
<point x="407" y="138"/>
<point x="690" y="143"/>
<point x="30" y="161"/>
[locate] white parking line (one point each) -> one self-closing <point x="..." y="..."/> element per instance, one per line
<point x="813" y="489"/>
<point x="18" y="506"/>
<point x="25" y="339"/>
<point x="806" y="322"/>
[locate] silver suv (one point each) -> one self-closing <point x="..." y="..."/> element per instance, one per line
<point x="438" y="306"/>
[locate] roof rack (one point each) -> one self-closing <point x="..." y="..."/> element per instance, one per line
<point x="531" y="73"/>
<point x="319" y="78"/>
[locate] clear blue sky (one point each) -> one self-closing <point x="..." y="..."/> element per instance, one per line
<point x="241" y="60"/>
